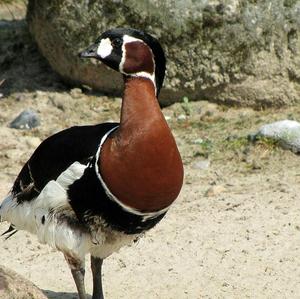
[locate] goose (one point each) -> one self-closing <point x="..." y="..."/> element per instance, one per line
<point x="94" y="189"/>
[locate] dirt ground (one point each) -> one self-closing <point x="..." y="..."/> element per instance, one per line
<point x="234" y="231"/>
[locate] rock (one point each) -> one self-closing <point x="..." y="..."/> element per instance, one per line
<point x="287" y="132"/>
<point x="58" y="100"/>
<point x="13" y="286"/>
<point x="198" y="141"/>
<point x="28" y="119"/>
<point x="76" y="93"/>
<point x="202" y="165"/>
<point x="233" y="52"/>
<point x="19" y="97"/>
<point x="208" y="110"/>
<point x="215" y="190"/>
<point x="181" y="117"/>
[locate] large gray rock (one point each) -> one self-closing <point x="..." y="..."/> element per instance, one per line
<point x="234" y="52"/>
<point x="13" y="286"/>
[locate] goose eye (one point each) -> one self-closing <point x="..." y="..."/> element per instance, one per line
<point x="117" y="42"/>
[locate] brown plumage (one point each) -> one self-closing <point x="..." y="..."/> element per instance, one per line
<point x="140" y="162"/>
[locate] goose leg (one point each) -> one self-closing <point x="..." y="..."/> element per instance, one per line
<point x="77" y="270"/>
<point x="96" y="265"/>
<point x="78" y="276"/>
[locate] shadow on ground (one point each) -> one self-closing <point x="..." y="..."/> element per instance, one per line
<point x="62" y="295"/>
<point x="22" y="67"/>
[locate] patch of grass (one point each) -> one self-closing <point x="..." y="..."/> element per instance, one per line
<point x="240" y="143"/>
<point x="186" y="107"/>
<point x="266" y="143"/>
<point x="204" y="148"/>
<point x="201" y="125"/>
<point x="235" y="143"/>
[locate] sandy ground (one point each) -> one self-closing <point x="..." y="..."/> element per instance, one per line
<point x="234" y="232"/>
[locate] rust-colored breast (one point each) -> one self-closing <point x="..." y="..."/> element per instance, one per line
<point x="140" y="162"/>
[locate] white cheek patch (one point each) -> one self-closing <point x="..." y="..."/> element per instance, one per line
<point x="104" y="48"/>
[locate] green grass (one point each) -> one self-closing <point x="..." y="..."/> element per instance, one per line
<point x="235" y="143"/>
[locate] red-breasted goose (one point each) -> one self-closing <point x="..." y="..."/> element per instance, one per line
<point x="93" y="189"/>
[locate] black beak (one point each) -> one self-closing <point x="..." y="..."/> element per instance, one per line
<point x="90" y="52"/>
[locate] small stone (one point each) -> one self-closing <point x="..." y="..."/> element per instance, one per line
<point x="215" y="190"/>
<point x="39" y="94"/>
<point x="26" y="120"/>
<point x="19" y="97"/>
<point x="202" y="165"/>
<point x="181" y="117"/>
<point x="167" y="117"/>
<point x="76" y="93"/>
<point x="121" y="263"/>
<point x="198" y="141"/>
<point x="58" y="101"/>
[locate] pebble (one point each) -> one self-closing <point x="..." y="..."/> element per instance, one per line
<point x="19" y="97"/>
<point x="181" y="117"/>
<point x="40" y="93"/>
<point x="76" y="93"/>
<point x="58" y="101"/>
<point x="198" y="141"/>
<point x="202" y="165"/>
<point x="215" y="190"/>
<point x="26" y="120"/>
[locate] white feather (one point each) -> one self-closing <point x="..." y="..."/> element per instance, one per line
<point x="71" y="174"/>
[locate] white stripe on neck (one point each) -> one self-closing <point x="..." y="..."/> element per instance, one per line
<point x="111" y="196"/>
<point x="144" y="75"/>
